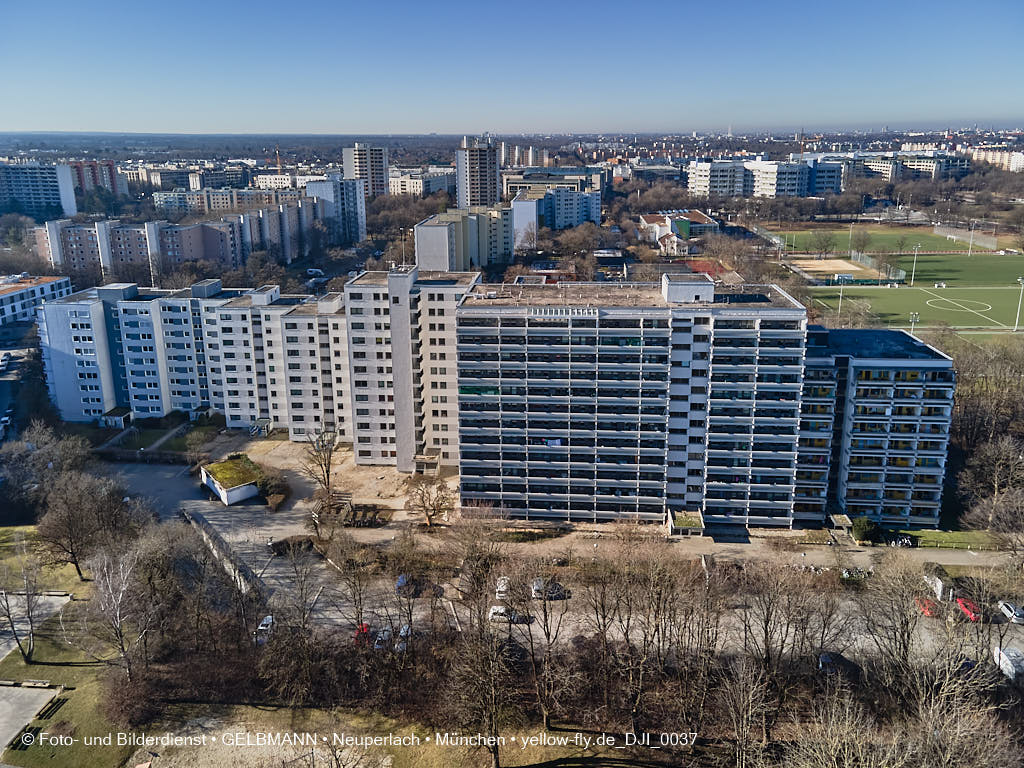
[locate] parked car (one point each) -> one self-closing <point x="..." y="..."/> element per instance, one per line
<point x="502" y="587"/>
<point x="1012" y="611"/>
<point x="411" y="586"/>
<point x="383" y="640"/>
<point x="549" y="590"/>
<point x="1010" y="662"/>
<point x="504" y="613"/>
<point x="404" y="636"/>
<point x="970" y="611"/>
<point x="927" y="606"/>
<point x="314" y="273"/>
<point x="362" y="635"/>
<point x="266" y="626"/>
<point x="834" y="663"/>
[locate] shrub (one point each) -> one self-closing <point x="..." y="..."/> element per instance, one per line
<point x="864" y="529"/>
<point x="271" y="482"/>
<point x="275" y="500"/>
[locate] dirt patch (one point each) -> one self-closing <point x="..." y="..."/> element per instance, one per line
<point x="831" y="267"/>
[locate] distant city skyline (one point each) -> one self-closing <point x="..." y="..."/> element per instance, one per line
<point x="463" y="68"/>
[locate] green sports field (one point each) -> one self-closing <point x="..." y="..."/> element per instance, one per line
<point x="961" y="270"/>
<point x="883" y="238"/>
<point x="975" y="307"/>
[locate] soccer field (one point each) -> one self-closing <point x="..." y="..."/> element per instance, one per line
<point x="883" y="238"/>
<point x="961" y="270"/>
<point x="994" y="308"/>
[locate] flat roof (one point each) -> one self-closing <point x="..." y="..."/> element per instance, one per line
<point x="29" y="282"/>
<point x="598" y="295"/>
<point x="877" y="343"/>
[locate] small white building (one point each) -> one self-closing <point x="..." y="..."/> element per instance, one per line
<point x="233" y="480"/>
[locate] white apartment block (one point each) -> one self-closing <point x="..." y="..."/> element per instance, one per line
<point x="716" y="178"/>
<point x="274" y="180"/>
<point x="463" y="239"/>
<point x="223" y="199"/>
<point x="421" y="184"/>
<point x="477" y="172"/>
<point x="20" y="295"/>
<point x="580" y="402"/>
<point x="555" y="208"/>
<point x="38" y="190"/>
<point x="112" y="247"/>
<point x="369" y="164"/>
<point x="300" y="363"/>
<point x="771" y="179"/>
<point x="574" y="401"/>
<point x="343" y="204"/>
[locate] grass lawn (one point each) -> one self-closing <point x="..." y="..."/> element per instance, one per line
<point x="62" y="579"/>
<point x="960" y="270"/>
<point x="952" y="539"/>
<point x="994" y="308"/>
<point x="142" y="439"/>
<point x="95" y="435"/>
<point x="80" y="716"/>
<point x="178" y="443"/>
<point x="883" y="238"/>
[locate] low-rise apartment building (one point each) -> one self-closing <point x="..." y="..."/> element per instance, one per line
<point x="21" y="295"/>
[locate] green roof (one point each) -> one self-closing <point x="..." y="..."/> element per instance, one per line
<point x="683" y="520"/>
<point x="232" y="473"/>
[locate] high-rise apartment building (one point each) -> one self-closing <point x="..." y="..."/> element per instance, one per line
<point x="555" y="208"/>
<point x="343" y="204"/>
<point x="574" y="401"/>
<point x="463" y="239"/>
<point x="583" y="403"/>
<point x="212" y="200"/>
<point x="150" y="249"/>
<point x="477" y="172"/>
<point x="37" y="190"/>
<point x="98" y="174"/>
<point x="369" y="164"/>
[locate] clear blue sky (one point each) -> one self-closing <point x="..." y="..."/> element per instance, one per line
<point x="324" y="66"/>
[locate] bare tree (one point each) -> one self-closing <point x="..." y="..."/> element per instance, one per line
<point x="318" y="466"/>
<point x="861" y="240"/>
<point x="19" y="600"/>
<point x="79" y="509"/>
<point x="482" y="695"/>
<point x="195" y="441"/>
<point x="115" y="616"/>
<point x="432" y="498"/>
<point x="1003" y="517"/>
<point x="743" y="692"/>
<point x="993" y="468"/>
<point x="822" y="241"/>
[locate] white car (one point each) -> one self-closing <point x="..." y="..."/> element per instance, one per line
<point x="264" y="629"/>
<point x="502" y="587"/>
<point x="1012" y="612"/>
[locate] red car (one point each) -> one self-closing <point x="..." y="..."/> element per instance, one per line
<point x="970" y="611"/>
<point x="928" y="606"/>
<point x="362" y="636"/>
